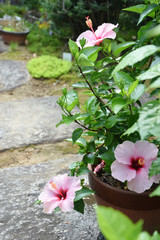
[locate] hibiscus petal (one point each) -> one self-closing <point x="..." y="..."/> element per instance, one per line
<point x="72" y="183"/>
<point x="122" y="172"/>
<point x="146" y="150"/>
<point x="49" y="206"/>
<point x="141" y="182"/>
<point x="124" y="152"/>
<point x="67" y="204"/>
<point x="104" y="29"/>
<point x="47" y="194"/>
<point x="89" y="36"/>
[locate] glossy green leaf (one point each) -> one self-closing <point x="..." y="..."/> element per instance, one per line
<point x="144" y="236"/>
<point x="89" y="158"/>
<point x="149" y="119"/>
<point x="91" y="52"/>
<point x="123" y="80"/>
<point x="76" y="134"/>
<point x="136" y="56"/>
<point x="69" y="100"/>
<point x="121" y="47"/>
<point x="73" y="49"/>
<point x="132" y="87"/>
<point x="79" y="206"/>
<point x="67" y="119"/>
<point x="114" y="225"/>
<point x="117" y="104"/>
<point x="147" y="11"/>
<point x="84" y="192"/>
<point x="155" y="84"/>
<point x="152" y="72"/>
<point x="137" y="8"/>
<point x="82" y="171"/>
<point x="155" y="168"/>
<point x="84" y="61"/>
<point x="111" y="121"/>
<point x="138" y="92"/>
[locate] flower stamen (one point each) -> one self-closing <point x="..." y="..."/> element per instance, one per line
<point x="89" y="24"/>
<point x="53" y="185"/>
<point x="141" y="161"/>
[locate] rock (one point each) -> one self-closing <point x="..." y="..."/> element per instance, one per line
<point x="12" y="74"/>
<point x="31" y="121"/>
<point x="21" y="219"/>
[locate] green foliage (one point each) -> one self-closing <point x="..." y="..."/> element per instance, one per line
<point x="12" y="10"/>
<point x="114" y="77"/>
<point x="40" y="42"/>
<point x="116" y="226"/>
<point x="48" y="67"/>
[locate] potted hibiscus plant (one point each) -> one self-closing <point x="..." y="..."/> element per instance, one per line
<point x="118" y="126"/>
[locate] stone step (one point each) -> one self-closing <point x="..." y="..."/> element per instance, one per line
<point x="31" y="121"/>
<point x="12" y="74"/>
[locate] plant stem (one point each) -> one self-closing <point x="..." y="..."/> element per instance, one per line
<point x="98" y="98"/>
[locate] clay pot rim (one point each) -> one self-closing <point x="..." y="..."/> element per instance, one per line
<point x="122" y="191"/>
<point x="14" y="33"/>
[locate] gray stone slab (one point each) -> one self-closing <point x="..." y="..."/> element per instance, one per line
<point x="3" y="47"/>
<point x="12" y="74"/>
<point x="31" y="121"/>
<point x="21" y="219"/>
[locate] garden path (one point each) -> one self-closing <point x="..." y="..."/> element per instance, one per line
<point x="32" y="121"/>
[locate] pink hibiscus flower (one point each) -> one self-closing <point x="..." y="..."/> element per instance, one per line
<point x="95" y="38"/>
<point x="132" y="164"/>
<point x="59" y="192"/>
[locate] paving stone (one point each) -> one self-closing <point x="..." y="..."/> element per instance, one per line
<point x="12" y="74"/>
<point x="31" y="121"/>
<point x="21" y="219"/>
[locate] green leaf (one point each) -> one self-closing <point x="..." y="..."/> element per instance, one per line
<point x="79" y="206"/>
<point x="117" y="104"/>
<point x="67" y="119"/>
<point x="136" y="56"/>
<point x="84" y="61"/>
<point x="147" y="12"/>
<point x="132" y="129"/>
<point x="144" y="236"/>
<point x="110" y="122"/>
<point x="121" y="47"/>
<point x="132" y="87"/>
<point x="91" y="52"/>
<point x="76" y="134"/>
<point x="155" y="168"/>
<point x="73" y="49"/>
<point x="89" y="158"/>
<point x="123" y="80"/>
<point x="155" y="236"/>
<point x="84" y="192"/>
<point x="69" y="99"/>
<point x="82" y="171"/>
<point x="156" y="192"/>
<point x="155" y="84"/>
<point x="137" y="8"/>
<point x="114" y="225"/>
<point x="37" y="202"/>
<point x="138" y="92"/>
<point x="80" y="85"/>
<point x="152" y="72"/>
<point x="149" y="119"/>
<point x="109" y="138"/>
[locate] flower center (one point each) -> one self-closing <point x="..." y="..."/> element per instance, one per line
<point x="137" y="163"/>
<point x="61" y="194"/>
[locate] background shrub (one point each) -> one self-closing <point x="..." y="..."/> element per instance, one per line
<point x="48" y="67"/>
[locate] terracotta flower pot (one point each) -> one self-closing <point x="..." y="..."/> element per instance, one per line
<point x="135" y="206"/>
<point x="18" y="37"/>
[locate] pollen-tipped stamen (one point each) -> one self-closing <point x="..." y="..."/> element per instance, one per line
<point x="141" y="161"/>
<point x="89" y="24"/>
